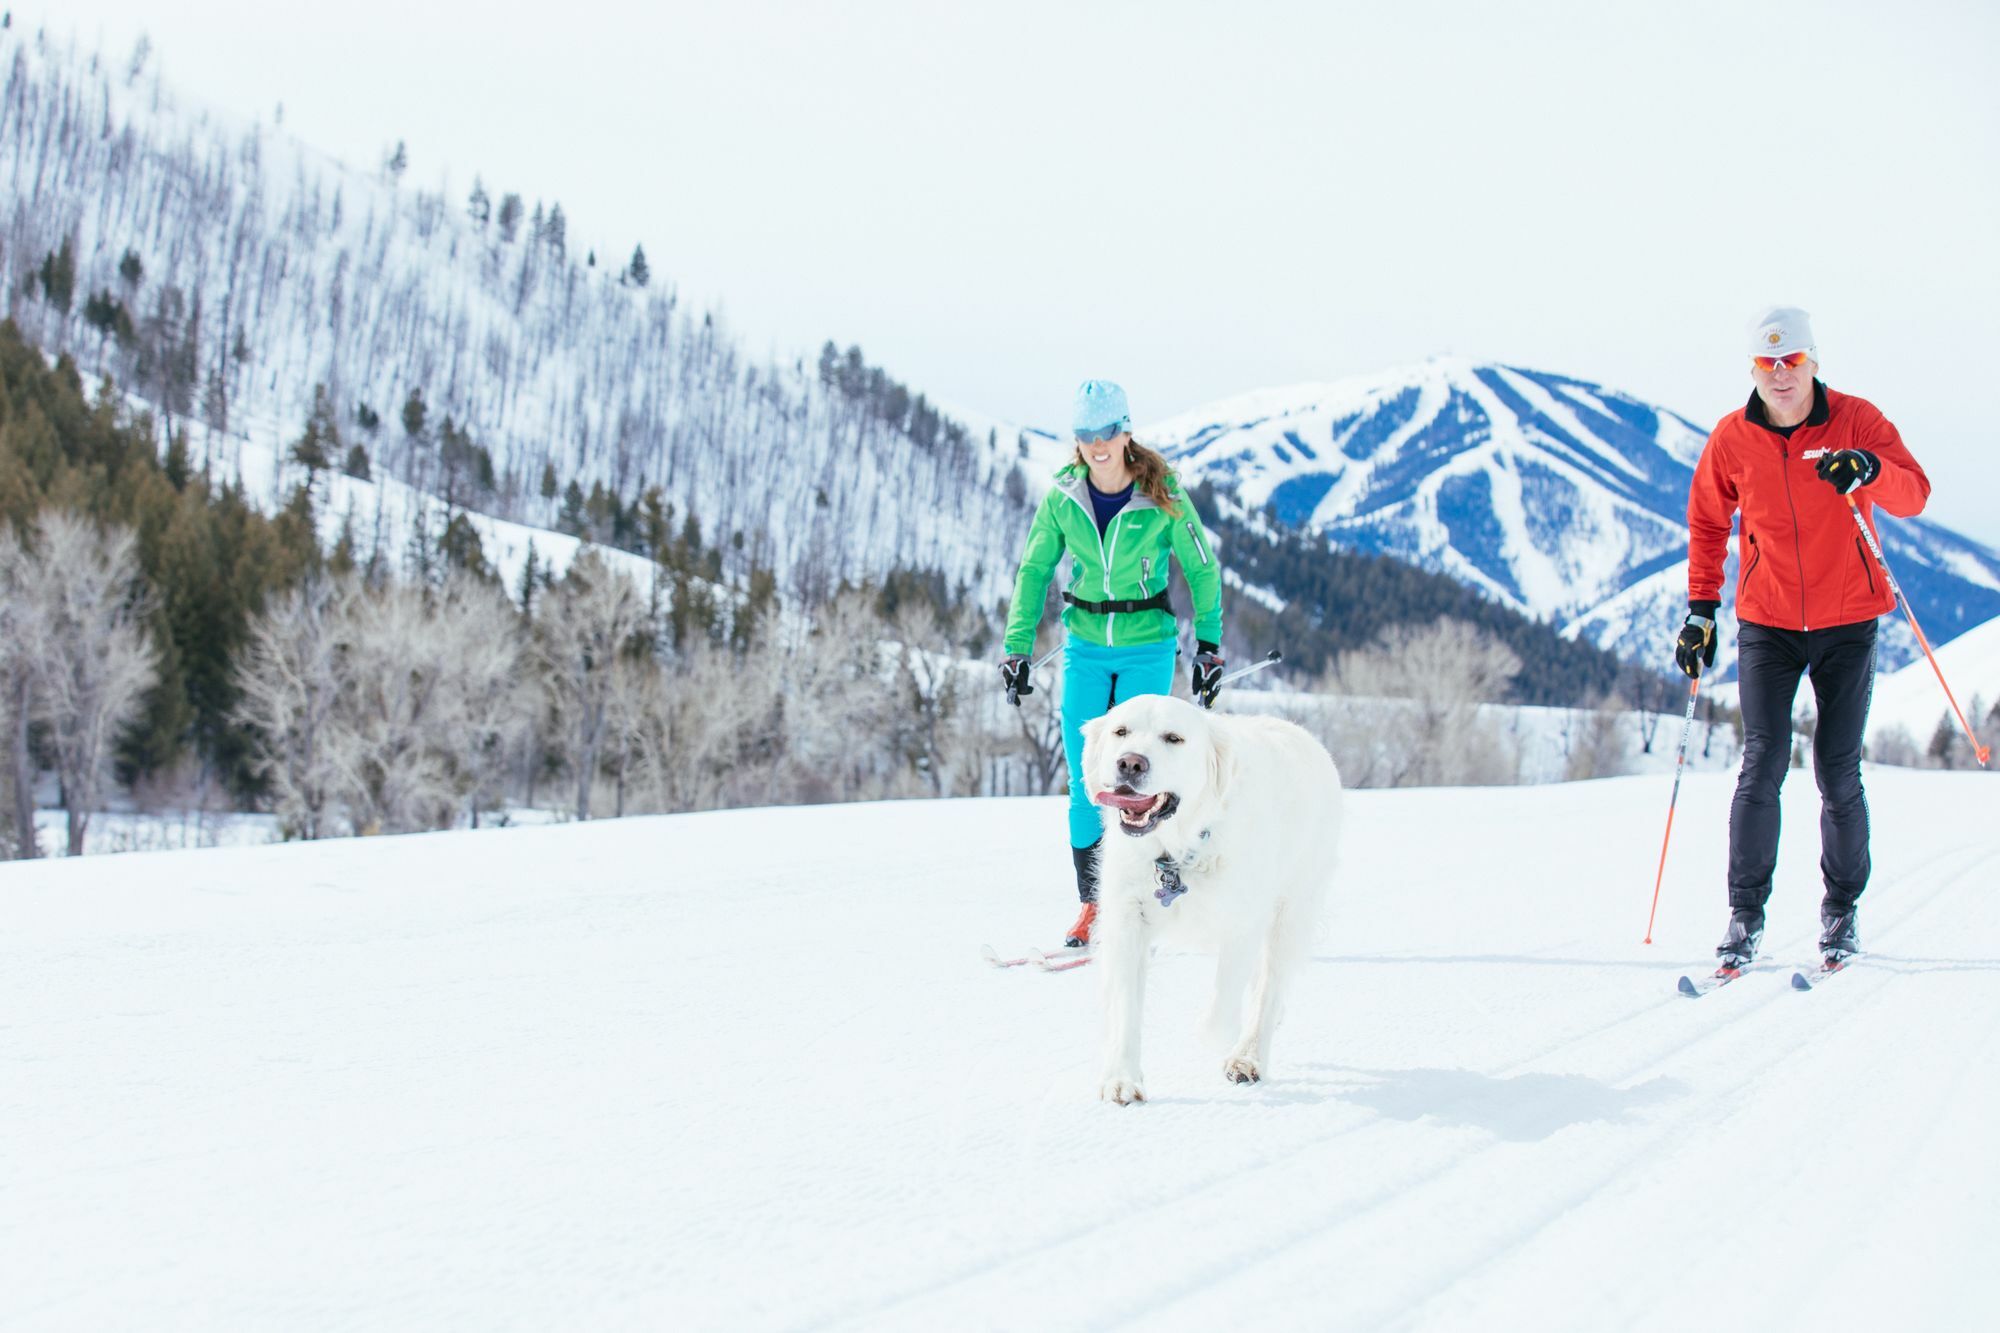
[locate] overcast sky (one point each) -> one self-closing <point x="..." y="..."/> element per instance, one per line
<point x="996" y="201"/>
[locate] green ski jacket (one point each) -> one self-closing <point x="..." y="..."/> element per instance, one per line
<point x="1127" y="563"/>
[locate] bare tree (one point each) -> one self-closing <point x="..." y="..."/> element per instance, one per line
<point x="586" y="622"/>
<point x="1433" y="734"/>
<point x="289" y="685"/>
<point x="1596" y="743"/>
<point x="706" y="731"/>
<point x="395" y="687"/>
<point x="929" y="664"/>
<point x="22" y="639"/>
<point x="841" y="688"/>
<point x="492" y="707"/>
<point x="82" y="612"/>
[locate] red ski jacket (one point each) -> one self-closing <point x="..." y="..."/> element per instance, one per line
<point x="1802" y="563"/>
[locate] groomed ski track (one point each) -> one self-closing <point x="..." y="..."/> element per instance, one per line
<point x="748" y="1070"/>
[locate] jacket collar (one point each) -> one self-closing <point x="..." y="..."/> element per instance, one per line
<point x="1753" y="411"/>
<point x="1074" y="482"/>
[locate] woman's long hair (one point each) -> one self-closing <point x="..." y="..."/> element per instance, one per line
<point x="1149" y="474"/>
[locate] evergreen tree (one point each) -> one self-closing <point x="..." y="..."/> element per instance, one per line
<point x="638" y="271"/>
<point x="59" y="276"/>
<point x="397" y="162"/>
<point x="179" y="468"/>
<point x="572" y="520"/>
<point x="479" y="208"/>
<point x="461" y="548"/>
<point x="531" y="576"/>
<point x="131" y="269"/>
<point x="356" y="464"/>
<point x="549" y="483"/>
<point x="320" y="445"/>
<point x="414" y="414"/>
<point x="510" y="217"/>
<point x="555" y="231"/>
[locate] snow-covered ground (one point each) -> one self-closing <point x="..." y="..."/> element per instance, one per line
<point x="746" y="1070"/>
<point x="1910" y="696"/>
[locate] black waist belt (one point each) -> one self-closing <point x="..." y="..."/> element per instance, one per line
<point x="1157" y="602"/>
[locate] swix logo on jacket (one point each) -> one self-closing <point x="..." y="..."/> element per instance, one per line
<point x="1801" y="562"/>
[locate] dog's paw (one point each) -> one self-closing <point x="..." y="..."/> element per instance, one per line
<point x="1241" y="1069"/>
<point x="1124" y="1091"/>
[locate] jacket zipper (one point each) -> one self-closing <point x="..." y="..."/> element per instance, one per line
<point x="1862" y="551"/>
<point x="1103" y="560"/>
<point x="1785" y="454"/>
<point x="1197" y="542"/>
<point x="1110" y="640"/>
<point x="1756" y="554"/>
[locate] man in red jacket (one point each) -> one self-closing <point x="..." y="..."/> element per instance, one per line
<point x="1789" y="462"/>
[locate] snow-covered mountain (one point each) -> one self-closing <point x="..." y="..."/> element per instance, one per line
<point x="1564" y="499"/>
<point x="223" y="271"/>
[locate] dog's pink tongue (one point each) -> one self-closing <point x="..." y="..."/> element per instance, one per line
<point x="1124" y="802"/>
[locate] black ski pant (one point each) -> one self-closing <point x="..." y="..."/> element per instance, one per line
<point x="1769" y="662"/>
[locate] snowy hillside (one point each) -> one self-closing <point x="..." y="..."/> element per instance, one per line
<point x="746" y="1071"/>
<point x="223" y="270"/>
<point x="1563" y="499"/>
<point x="1911" y="697"/>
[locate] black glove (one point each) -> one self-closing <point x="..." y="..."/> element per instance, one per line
<point x="1014" y="676"/>
<point x="1848" y="470"/>
<point x="1208" y="663"/>
<point x="1695" y="648"/>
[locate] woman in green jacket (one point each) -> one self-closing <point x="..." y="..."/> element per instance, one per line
<point x="1117" y="512"/>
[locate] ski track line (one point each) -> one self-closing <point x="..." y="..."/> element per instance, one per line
<point x="1362" y="1120"/>
<point x="1495" y="1250"/>
<point x="1356" y="1121"/>
<point x="1937" y="1107"/>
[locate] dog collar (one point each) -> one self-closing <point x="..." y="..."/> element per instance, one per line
<point x="1168" y="872"/>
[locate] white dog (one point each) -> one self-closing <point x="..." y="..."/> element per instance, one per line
<point x="1225" y="835"/>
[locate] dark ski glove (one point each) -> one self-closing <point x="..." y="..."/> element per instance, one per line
<point x="1208" y="663"/>
<point x="1014" y="677"/>
<point x="1848" y="470"/>
<point x="1694" y="650"/>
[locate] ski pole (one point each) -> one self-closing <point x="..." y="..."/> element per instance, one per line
<point x="1271" y="658"/>
<point x="1013" y="695"/>
<point x="1979" y="752"/>
<point x="1680" y="762"/>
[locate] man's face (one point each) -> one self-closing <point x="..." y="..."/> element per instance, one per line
<point x="1787" y="389"/>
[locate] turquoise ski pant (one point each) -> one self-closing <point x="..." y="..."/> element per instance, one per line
<point x="1094" y="679"/>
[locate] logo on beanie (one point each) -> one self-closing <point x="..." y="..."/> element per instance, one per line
<point x="1774" y="337"/>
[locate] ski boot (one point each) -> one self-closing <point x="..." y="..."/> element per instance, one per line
<point x="1838" y="939"/>
<point x="1085" y="859"/>
<point x="1739" y="942"/>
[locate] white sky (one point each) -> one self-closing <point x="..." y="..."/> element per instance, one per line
<point x="1200" y="199"/>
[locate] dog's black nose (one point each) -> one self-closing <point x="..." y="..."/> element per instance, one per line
<point x="1131" y="766"/>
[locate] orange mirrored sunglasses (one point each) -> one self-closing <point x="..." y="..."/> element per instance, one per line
<point x="1790" y="361"/>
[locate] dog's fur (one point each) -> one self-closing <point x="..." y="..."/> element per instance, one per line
<point x="1249" y="810"/>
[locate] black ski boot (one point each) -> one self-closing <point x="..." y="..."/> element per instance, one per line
<point x="1085" y="859"/>
<point x="1838" y="940"/>
<point x="1739" y="942"/>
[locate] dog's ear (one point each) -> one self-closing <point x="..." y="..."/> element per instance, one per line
<point x="1221" y="761"/>
<point x="1091" y="732"/>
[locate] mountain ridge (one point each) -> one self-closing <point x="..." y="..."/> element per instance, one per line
<point x="1557" y="496"/>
